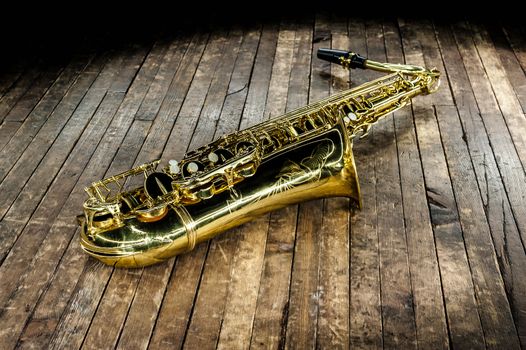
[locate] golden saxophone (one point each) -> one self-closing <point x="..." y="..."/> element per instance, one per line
<point x="144" y="216"/>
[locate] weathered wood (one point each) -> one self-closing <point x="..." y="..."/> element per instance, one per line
<point x="182" y="284"/>
<point x="504" y="95"/>
<point x="50" y="251"/>
<point x="435" y="259"/>
<point x="208" y="314"/>
<point x="29" y="242"/>
<point x="272" y="301"/>
<point x="7" y="130"/>
<point x="97" y="330"/>
<point x="11" y="97"/>
<point x="207" y="66"/>
<point x="398" y="318"/>
<point x="297" y="96"/>
<point x="506" y="238"/>
<point x="304" y="294"/>
<point x="97" y="93"/>
<point x="150" y="288"/>
<point x="430" y="319"/>
<point x="169" y="109"/>
<point x="39" y="168"/>
<point x="247" y="264"/>
<point x="509" y="61"/>
<point x="42" y="115"/>
<point x="9" y="77"/>
<point x="333" y="289"/>
<point x="95" y="169"/>
<point x="458" y="290"/>
<point x="214" y="100"/>
<point x="207" y="70"/>
<point x="365" y="305"/>
<point x="25" y="104"/>
<point x="494" y="309"/>
<point x="170" y="65"/>
<point x="500" y="99"/>
<point x="515" y="36"/>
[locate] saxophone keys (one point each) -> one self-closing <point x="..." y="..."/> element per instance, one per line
<point x="365" y="130"/>
<point x="213" y="157"/>
<point x="174" y="166"/>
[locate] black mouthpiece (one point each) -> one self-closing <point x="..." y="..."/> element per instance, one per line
<point x="343" y="58"/>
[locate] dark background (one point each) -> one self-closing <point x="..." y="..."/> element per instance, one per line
<point x="51" y="31"/>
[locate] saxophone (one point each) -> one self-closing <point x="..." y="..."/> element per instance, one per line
<point x="144" y="216"/>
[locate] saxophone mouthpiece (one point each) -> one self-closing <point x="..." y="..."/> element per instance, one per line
<point x="345" y="58"/>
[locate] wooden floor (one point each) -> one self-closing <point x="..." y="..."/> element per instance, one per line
<point x="435" y="259"/>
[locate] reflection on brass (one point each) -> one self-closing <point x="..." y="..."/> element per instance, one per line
<point x="302" y="155"/>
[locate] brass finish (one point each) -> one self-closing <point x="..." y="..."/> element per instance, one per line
<point x="302" y="155"/>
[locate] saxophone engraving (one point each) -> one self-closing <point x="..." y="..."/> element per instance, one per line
<point x="147" y="215"/>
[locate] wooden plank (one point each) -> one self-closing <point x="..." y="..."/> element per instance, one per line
<point x="506" y="238"/>
<point x="93" y="282"/>
<point x="171" y="106"/>
<point x="515" y="36"/>
<point x="243" y="290"/>
<point x="98" y="164"/>
<point x="202" y="81"/>
<point x="7" y="130"/>
<point x="365" y="305"/>
<point x="227" y="70"/>
<point x="11" y="75"/>
<point x="39" y="115"/>
<point x="430" y="319"/>
<point x="504" y="94"/>
<point x="125" y="160"/>
<point x="35" y="169"/>
<point x="246" y="245"/>
<point x="10" y="98"/>
<point x="42" y="267"/>
<point x="29" y="243"/>
<point x="501" y="100"/>
<point x="305" y="295"/>
<point x="398" y="319"/>
<point x="272" y="302"/>
<point x="509" y="61"/>
<point x="458" y="290"/>
<point x="53" y="303"/>
<point x="214" y="286"/>
<point x="121" y="287"/>
<point x="207" y="315"/>
<point x="333" y="235"/>
<point x="155" y="96"/>
<point x="151" y="283"/>
<point x="40" y="222"/>
<point x="34" y="94"/>
<point x="494" y="309"/>
<point x="25" y="104"/>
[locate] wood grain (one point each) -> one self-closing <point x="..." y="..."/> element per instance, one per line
<point x="435" y="258"/>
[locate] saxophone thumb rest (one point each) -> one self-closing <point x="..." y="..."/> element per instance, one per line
<point x="146" y="215"/>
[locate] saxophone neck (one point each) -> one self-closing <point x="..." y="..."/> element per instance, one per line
<point x="351" y="60"/>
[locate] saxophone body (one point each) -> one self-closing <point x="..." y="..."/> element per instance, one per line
<point x="144" y="216"/>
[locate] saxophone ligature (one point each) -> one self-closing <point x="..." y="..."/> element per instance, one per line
<point x="147" y="215"/>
